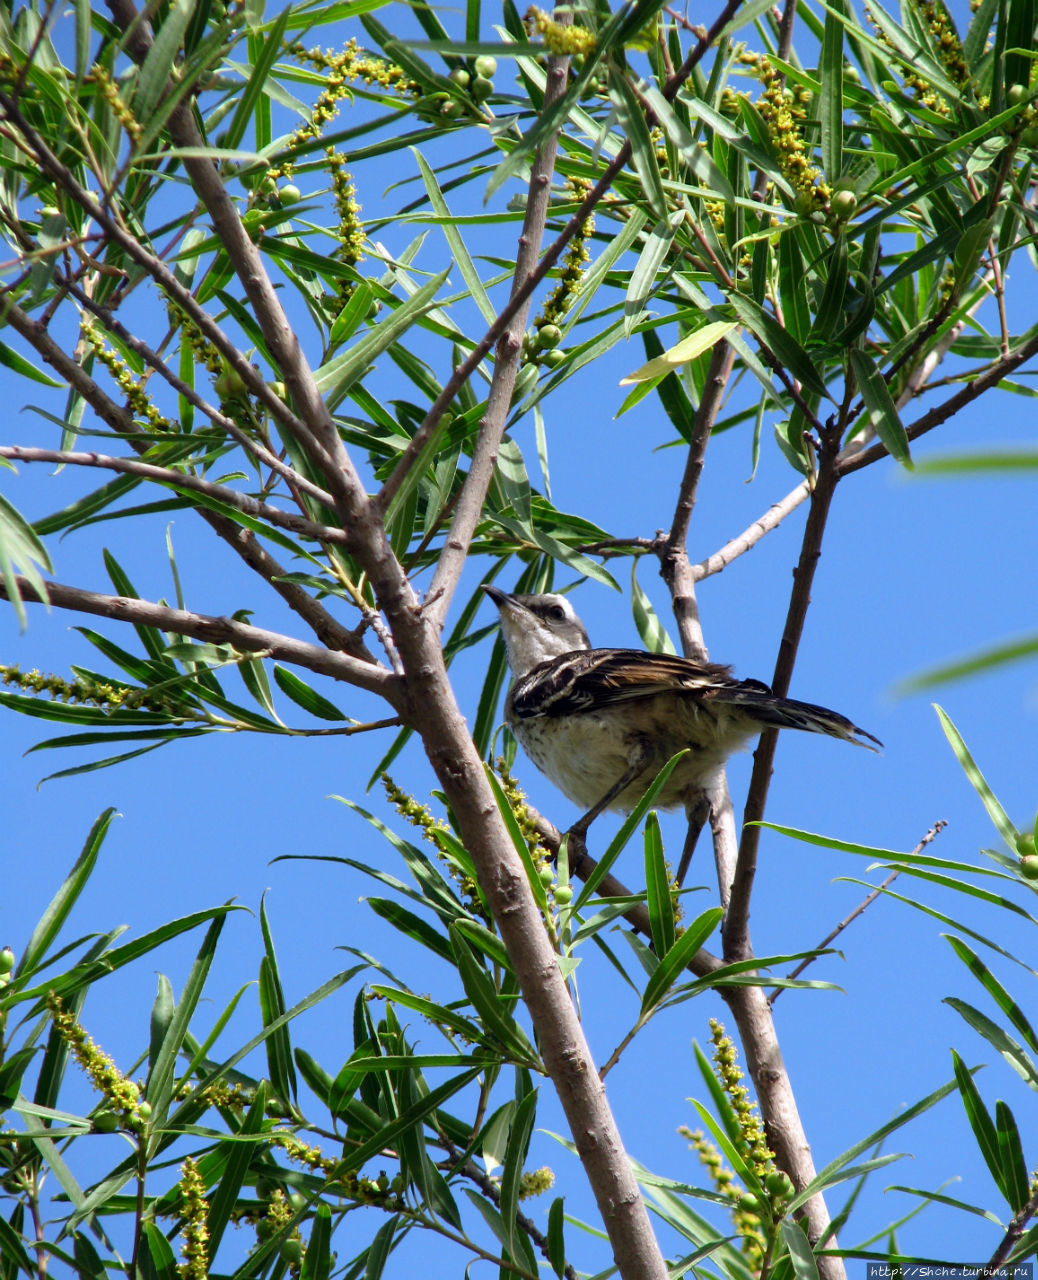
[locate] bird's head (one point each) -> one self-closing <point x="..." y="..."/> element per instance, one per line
<point x="536" y="628"/>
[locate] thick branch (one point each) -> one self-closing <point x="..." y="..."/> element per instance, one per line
<point x="201" y="626"/>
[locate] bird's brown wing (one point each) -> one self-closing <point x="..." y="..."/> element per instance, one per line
<point x="596" y="678"/>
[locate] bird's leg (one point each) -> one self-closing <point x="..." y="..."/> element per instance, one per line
<point x="697" y="815"/>
<point x="640" y="757"/>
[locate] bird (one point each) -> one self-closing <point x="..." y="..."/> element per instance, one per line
<point x="602" y="723"/>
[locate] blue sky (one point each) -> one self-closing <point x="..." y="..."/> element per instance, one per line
<point x="914" y="571"/>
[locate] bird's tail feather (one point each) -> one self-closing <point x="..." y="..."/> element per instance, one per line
<point x="787" y="713"/>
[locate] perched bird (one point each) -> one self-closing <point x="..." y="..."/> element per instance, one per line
<point x="601" y="723"/>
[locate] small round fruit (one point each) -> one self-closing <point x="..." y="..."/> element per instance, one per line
<point x="481" y="88"/>
<point x="292" y="1251"/>
<point x="850" y="74"/>
<point x="460" y="77"/>
<point x="6" y="960"/>
<point x="748" y="1203"/>
<point x="1029" y="867"/>
<point x="144" y="1111"/>
<point x="1029" y="136"/>
<point x="548" y="336"/>
<point x="106" y="1122"/>
<point x="452" y="109"/>
<point x="554" y="358"/>
<point x="1015" y="94"/>
<point x="563" y="895"/>
<point x="804" y="204"/>
<point x="1025" y="843"/>
<point x="289" y="194"/>
<point x="297" y="1200"/>
<point x="229" y="384"/>
<point x="546" y="875"/>
<point x="485" y="66"/>
<point x="843" y="204"/>
<point x="779" y="1185"/>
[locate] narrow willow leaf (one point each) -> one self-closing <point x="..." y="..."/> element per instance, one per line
<point x="658" y="889"/>
<point x="880" y="406"/>
<point x="304" y="696"/>
<point x="677" y="959"/>
<point x="682" y="352"/>
<point x="20" y="550"/>
<point x="515" y="1156"/>
<point x="831" y="106"/>
<point x="651" y="630"/>
<point x="977" y="780"/>
<point x="980" y="1122"/>
<point x="154" y="74"/>
<point x="783" y="346"/>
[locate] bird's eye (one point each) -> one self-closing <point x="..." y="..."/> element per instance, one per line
<point x="557" y="613"/>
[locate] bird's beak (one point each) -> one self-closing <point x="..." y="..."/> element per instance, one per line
<point x="499" y="597"/>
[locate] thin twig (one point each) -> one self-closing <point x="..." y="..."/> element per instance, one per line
<point x="860" y="909"/>
<point x="736" y="925"/>
<point x="1017" y="1226"/>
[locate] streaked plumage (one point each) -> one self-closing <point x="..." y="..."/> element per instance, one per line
<point x="586" y="717"/>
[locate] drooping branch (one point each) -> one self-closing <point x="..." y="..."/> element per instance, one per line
<point x="180" y="480"/>
<point x="370" y="676"/>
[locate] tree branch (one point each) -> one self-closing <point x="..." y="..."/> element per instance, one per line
<point x="506" y="365"/>
<point x="180" y="480"/>
<point x="370" y="676"/>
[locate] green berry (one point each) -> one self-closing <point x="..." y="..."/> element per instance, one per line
<point x="779" y="1185"/>
<point x="564" y="894"/>
<point x="554" y="358"/>
<point x="843" y="204"/>
<point x="1029" y="867"/>
<point x="297" y="1200"/>
<point x="289" y="194"/>
<point x="748" y="1203"/>
<point x="6" y="960"/>
<point x="144" y="1111"/>
<point x="546" y="875"/>
<point x="1029" y="136"/>
<point x="460" y="77"/>
<point x="1025" y="843"/>
<point x="548" y="336"/>
<point x="804" y="204"/>
<point x="452" y="110"/>
<point x="292" y="1252"/>
<point x="1015" y="94"/>
<point x="106" y="1122"/>
<point x="229" y="384"/>
<point x="481" y="88"/>
<point x="485" y="66"/>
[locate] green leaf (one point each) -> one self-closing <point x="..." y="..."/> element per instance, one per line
<point x="977" y="780"/>
<point x="20" y="550"/>
<point x="980" y="1122"/>
<point x="335" y="377"/>
<point x="317" y="1262"/>
<point x="800" y="1252"/>
<point x="155" y="71"/>
<point x="238" y="1156"/>
<point x="272" y="1008"/>
<point x="556" y="1238"/>
<point x="515" y="1156"/>
<point x="831" y="104"/>
<point x="658" y="890"/>
<point x="493" y="1008"/>
<point x="783" y="346"/>
<point x="683" y="352"/>
<point x="678" y="958"/>
<point x="304" y="696"/>
<point x="651" y="630"/>
<point x="64" y="900"/>
<point x="879" y="404"/>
